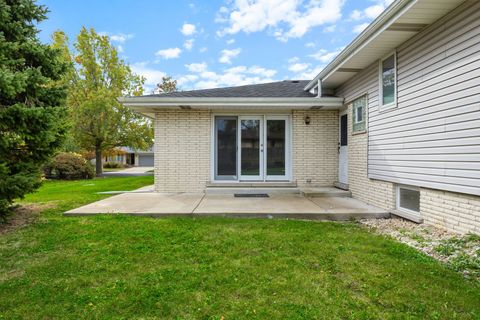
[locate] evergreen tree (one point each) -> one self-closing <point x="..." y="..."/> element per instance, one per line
<point x="32" y="100"/>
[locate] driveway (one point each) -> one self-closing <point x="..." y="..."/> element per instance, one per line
<point x="133" y="171"/>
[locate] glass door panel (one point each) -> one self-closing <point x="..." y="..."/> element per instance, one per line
<point x="276" y="142"/>
<point x="226" y="148"/>
<point x="276" y="147"/>
<point x="251" y="148"/>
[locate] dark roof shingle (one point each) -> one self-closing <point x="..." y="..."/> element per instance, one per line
<point x="280" y="89"/>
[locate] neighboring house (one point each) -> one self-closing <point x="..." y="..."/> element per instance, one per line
<point x="129" y="157"/>
<point x="395" y="118"/>
<point x="138" y="158"/>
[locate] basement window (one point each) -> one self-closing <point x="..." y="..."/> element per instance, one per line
<point x="408" y="199"/>
<point x="359" y="112"/>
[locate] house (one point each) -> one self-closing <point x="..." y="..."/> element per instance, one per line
<point x="126" y="156"/>
<point x="138" y="158"/>
<point x="394" y="118"/>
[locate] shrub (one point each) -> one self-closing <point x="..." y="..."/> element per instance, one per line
<point x="69" y="166"/>
<point x="113" y="165"/>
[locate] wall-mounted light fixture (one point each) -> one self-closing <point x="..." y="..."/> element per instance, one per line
<point x="307" y="120"/>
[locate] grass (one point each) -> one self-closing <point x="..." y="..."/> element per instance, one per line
<point x="119" y="267"/>
<point x="454" y="249"/>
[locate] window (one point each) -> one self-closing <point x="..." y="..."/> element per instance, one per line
<point x="408" y="199"/>
<point x="388" y="81"/>
<point x="359" y="108"/>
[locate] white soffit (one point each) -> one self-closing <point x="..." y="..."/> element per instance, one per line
<point x="408" y="22"/>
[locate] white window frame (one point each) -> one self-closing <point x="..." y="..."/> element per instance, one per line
<point x="266" y="116"/>
<point x="380" y="82"/>
<point x="354" y="117"/>
<point x="400" y="208"/>
<point x="356" y="114"/>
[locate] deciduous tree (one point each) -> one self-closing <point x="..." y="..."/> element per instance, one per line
<point x="167" y="85"/>
<point x="96" y="81"/>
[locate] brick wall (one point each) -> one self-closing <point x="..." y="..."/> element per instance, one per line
<point x="454" y="211"/>
<point x="315" y="154"/>
<point x="182" y="150"/>
<point x="374" y="192"/>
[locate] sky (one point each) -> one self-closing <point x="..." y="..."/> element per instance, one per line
<point x="218" y="43"/>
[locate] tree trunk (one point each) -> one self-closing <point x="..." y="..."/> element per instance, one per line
<point x="98" y="161"/>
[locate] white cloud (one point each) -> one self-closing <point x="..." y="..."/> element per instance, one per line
<point x="183" y="80"/>
<point x="360" y="27"/>
<point x="230" y="41"/>
<point x="325" y="56"/>
<point x="203" y="49"/>
<point x="303" y="70"/>
<point x="118" y="39"/>
<point x="310" y="73"/>
<point x="188" y="44"/>
<point x="196" y="67"/>
<point x="356" y="15"/>
<point x="370" y="12"/>
<point x="298" y="67"/>
<point x="121" y="37"/>
<point x="152" y="76"/>
<point x="329" y="29"/>
<point x="293" y="60"/>
<point x="310" y="45"/>
<point x="227" y="55"/>
<point x="188" y="29"/>
<point x="170" y="53"/>
<point x="269" y="73"/>
<point x="202" y="78"/>
<point x="374" y="11"/>
<point x="286" y="18"/>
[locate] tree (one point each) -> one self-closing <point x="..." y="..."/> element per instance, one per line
<point x="167" y="85"/>
<point x="96" y="81"/>
<point x="32" y="100"/>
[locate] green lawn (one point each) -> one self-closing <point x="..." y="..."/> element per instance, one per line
<point x="120" y="267"/>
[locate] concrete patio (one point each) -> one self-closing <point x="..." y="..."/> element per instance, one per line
<point x="277" y="205"/>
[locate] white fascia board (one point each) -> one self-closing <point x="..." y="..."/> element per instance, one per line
<point x="379" y="25"/>
<point x="212" y="103"/>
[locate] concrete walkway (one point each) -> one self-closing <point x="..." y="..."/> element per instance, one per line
<point x="195" y="204"/>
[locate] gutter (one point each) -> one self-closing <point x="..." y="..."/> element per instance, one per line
<point x="187" y="103"/>
<point x="378" y="25"/>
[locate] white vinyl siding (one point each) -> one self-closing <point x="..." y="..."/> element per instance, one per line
<point x="432" y="139"/>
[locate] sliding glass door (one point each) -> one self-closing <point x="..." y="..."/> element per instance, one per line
<point x="226" y="148"/>
<point x="252" y="148"/>
<point x="276" y="148"/>
<point x="251" y="151"/>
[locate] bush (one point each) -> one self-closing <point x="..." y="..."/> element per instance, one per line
<point x="113" y="165"/>
<point x="69" y="166"/>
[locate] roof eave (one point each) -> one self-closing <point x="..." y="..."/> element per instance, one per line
<point x="211" y="103"/>
<point x="376" y="26"/>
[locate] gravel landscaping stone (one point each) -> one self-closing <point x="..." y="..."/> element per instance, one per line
<point x="460" y="252"/>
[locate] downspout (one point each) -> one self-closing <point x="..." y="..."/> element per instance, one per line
<point x="319" y="90"/>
